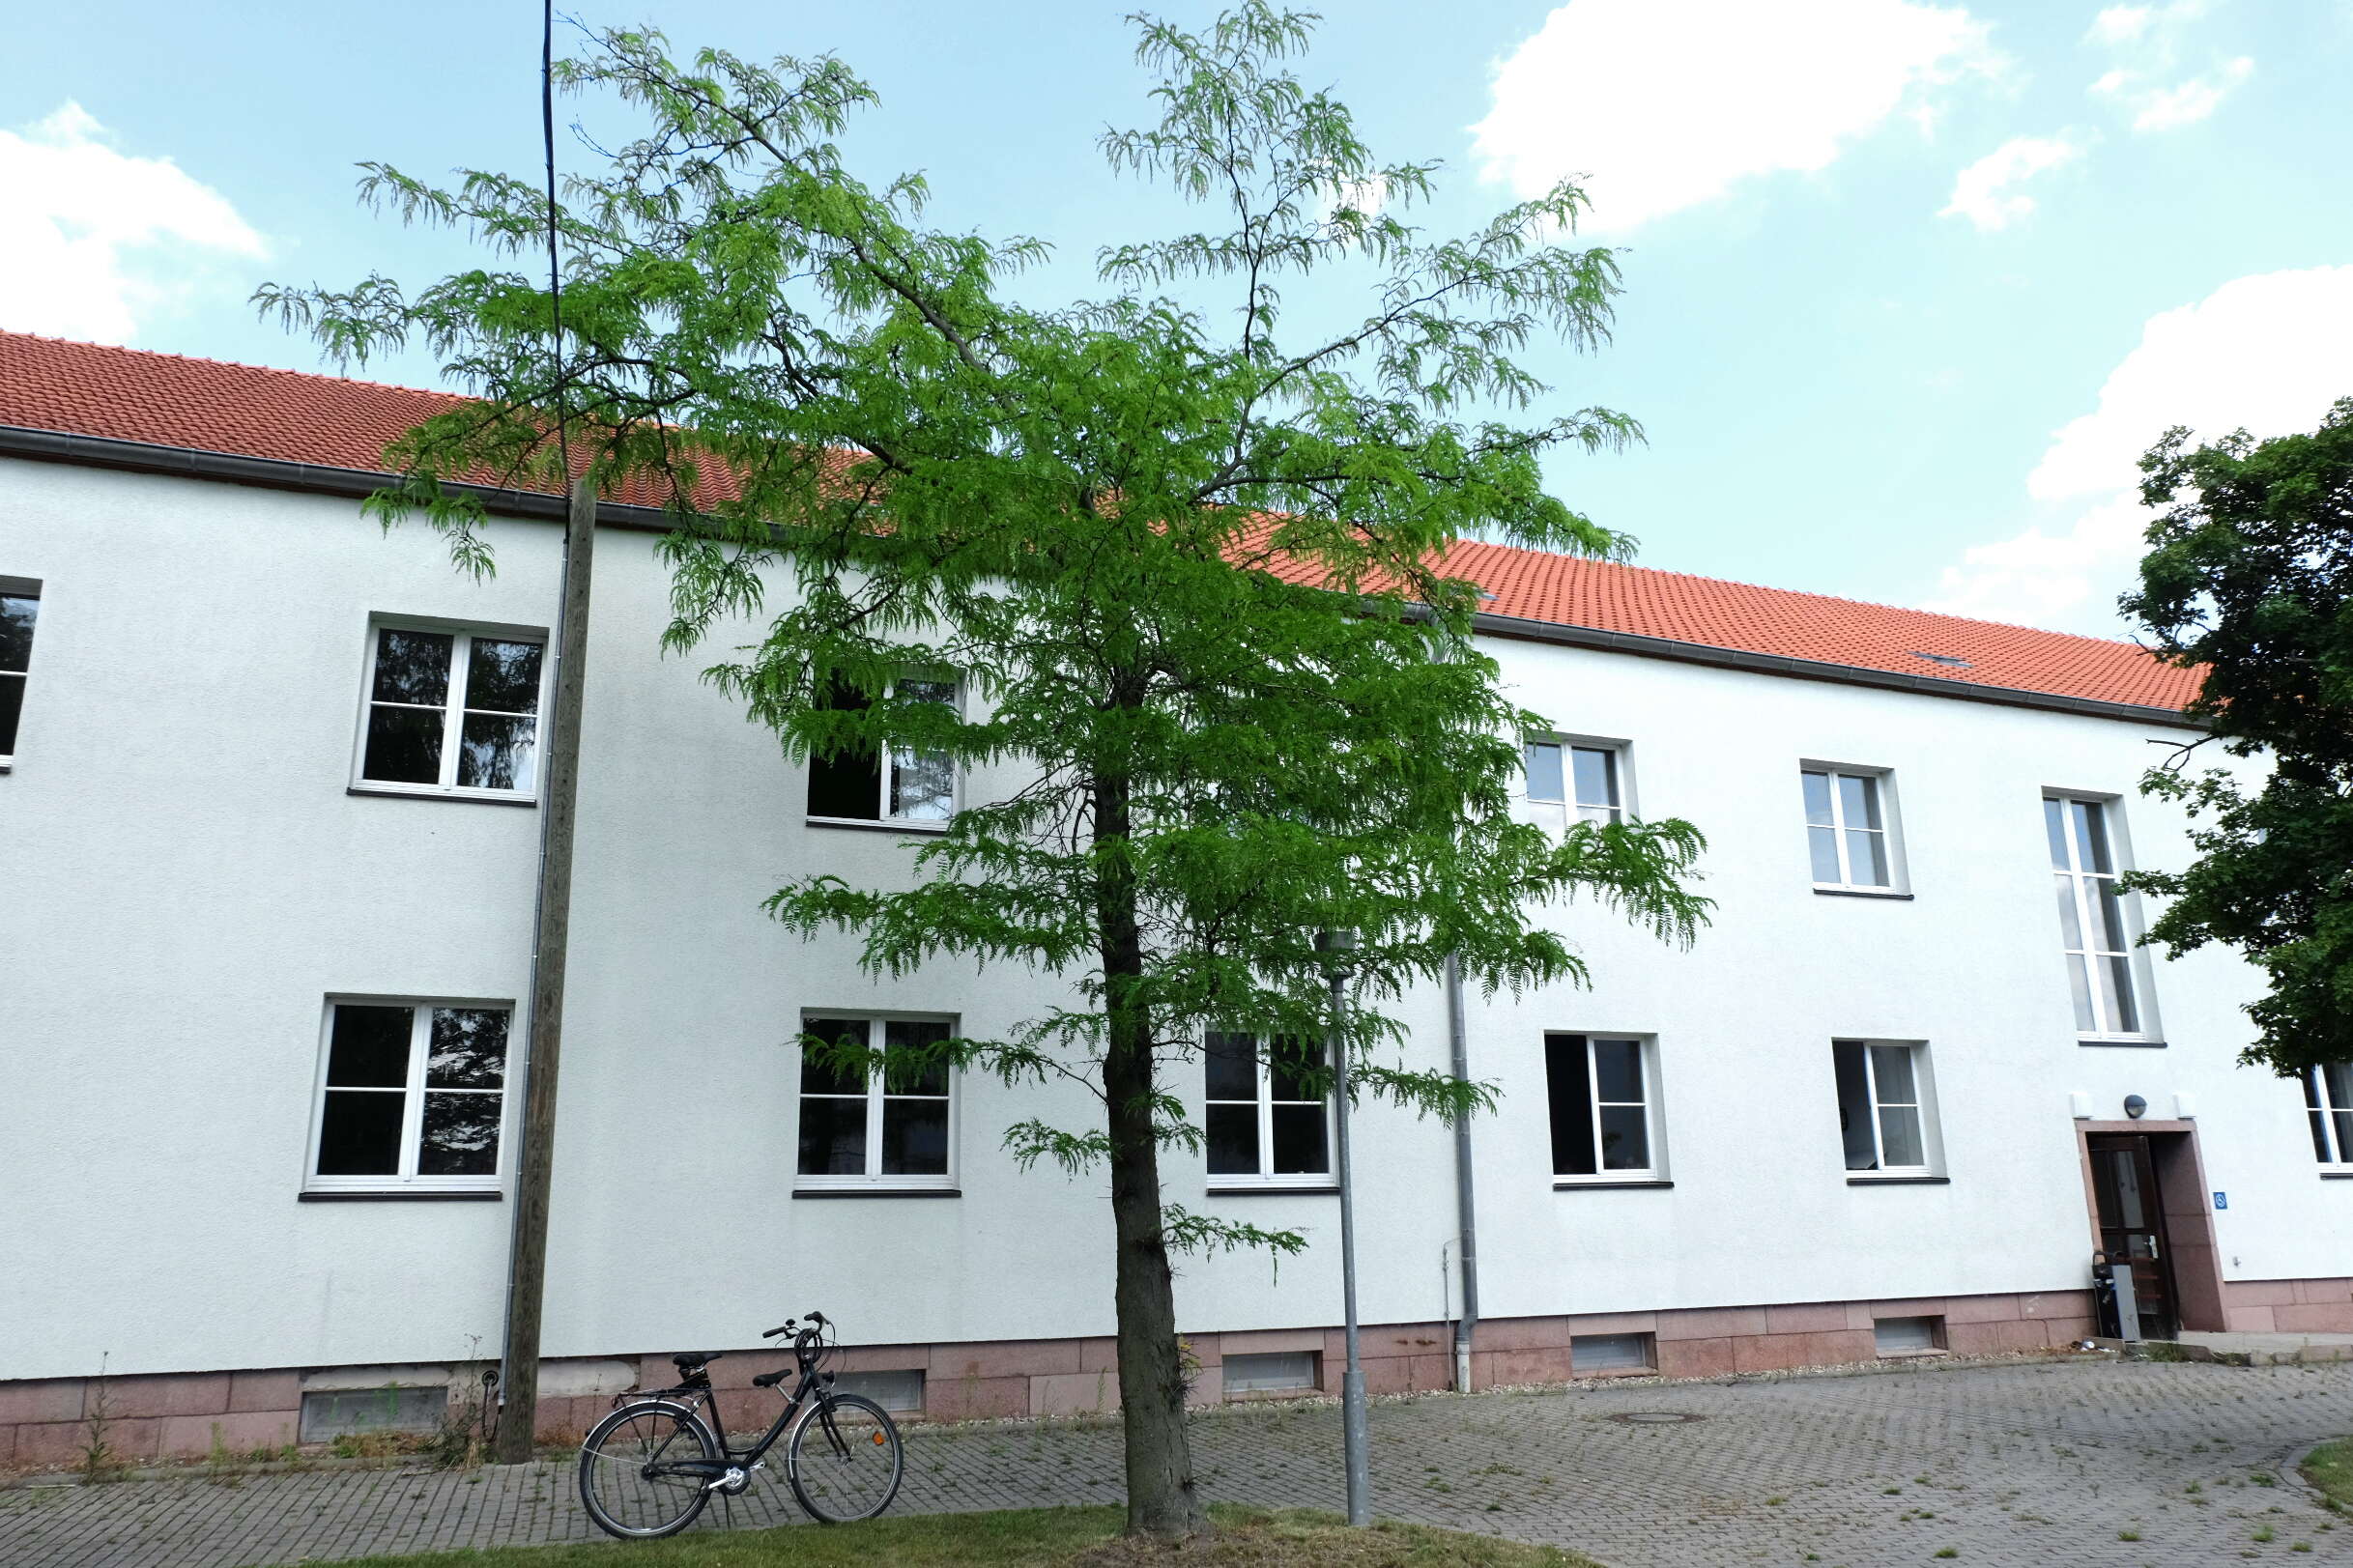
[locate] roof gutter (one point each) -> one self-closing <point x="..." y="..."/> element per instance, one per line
<point x="1774" y="664"/>
<point x="232" y="467"/>
<point x="273" y="474"/>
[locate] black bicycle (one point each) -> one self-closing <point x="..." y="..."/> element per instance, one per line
<point x="648" y="1468"/>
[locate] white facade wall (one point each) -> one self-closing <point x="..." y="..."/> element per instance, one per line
<point x="184" y="880"/>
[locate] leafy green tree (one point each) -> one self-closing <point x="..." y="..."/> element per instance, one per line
<point x="1191" y="574"/>
<point x="2250" y="577"/>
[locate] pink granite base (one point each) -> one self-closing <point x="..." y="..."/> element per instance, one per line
<point x="46" y="1423"/>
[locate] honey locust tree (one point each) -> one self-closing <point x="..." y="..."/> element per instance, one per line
<point x="2249" y="578"/>
<point x="1191" y="570"/>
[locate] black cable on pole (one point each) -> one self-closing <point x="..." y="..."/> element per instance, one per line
<point x="554" y="269"/>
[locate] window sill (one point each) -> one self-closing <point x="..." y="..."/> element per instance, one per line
<point x="398" y="1195"/>
<point x="1867" y="1180"/>
<point x="860" y="824"/>
<point x="399" y="792"/>
<point x="1863" y="892"/>
<point x="1571" y="1183"/>
<point x="2130" y="1042"/>
<point x="877" y="1192"/>
<point x="2345" y="1175"/>
<point x="1271" y="1189"/>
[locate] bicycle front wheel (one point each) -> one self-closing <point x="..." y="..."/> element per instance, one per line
<point x="844" y="1460"/>
<point x="644" y="1468"/>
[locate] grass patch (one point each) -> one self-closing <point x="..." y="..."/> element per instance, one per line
<point x="2330" y="1468"/>
<point x="1031" y="1538"/>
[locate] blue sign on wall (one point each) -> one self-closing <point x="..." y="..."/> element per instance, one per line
<point x="2221" y="1200"/>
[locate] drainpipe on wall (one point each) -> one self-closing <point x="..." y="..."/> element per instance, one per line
<point x="1466" y="1202"/>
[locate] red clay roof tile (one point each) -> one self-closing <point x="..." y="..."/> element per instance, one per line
<point x="126" y="394"/>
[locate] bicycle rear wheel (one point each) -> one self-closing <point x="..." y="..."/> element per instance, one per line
<point x="844" y="1460"/>
<point x="629" y="1478"/>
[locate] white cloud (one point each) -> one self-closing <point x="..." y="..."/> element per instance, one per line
<point x="2121" y="25"/>
<point x="1667" y="104"/>
<point x="2152" y="38"/>
<point x="1982" y="192"/>
<point x="93" y="238"/>
<point x="2185" y="102"/>
<point x="2267" y="354"/>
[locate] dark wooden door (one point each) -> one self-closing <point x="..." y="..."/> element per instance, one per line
<point x="2132" y="1226"/>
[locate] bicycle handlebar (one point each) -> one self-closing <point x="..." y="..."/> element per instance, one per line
<point x="816" y="1321"/>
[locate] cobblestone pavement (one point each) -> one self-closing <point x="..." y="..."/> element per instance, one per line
<point x="2092" y="1463"/>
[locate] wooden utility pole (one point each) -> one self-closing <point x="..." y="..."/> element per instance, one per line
<point x="535" y="1139"/>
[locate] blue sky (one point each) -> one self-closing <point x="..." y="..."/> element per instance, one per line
<point x="1908" y="284"/>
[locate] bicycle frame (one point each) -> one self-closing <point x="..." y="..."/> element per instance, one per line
<point x="698" y="1391"/>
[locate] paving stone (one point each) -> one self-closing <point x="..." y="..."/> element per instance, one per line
<point x="2011" y="1467"/>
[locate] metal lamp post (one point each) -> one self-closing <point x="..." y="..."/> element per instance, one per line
<point x="1336" y="948"/>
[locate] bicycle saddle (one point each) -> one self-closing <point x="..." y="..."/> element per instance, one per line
<point x="688" y="1360"/>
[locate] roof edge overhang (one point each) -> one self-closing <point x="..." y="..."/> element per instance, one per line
<point x="1776" y="663"/>
<point x="274" y="474"/>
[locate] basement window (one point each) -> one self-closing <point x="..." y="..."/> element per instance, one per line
<point x="1273" y="1372"/>
<point x="892" y="1390"/>
<point x="1908" y="1336"/>
<point x="347" y="1413"/>
<point x="1589" y="1354"/>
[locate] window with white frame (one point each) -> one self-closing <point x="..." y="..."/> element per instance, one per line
<point x="2328" y="1099"/>
<point x="1884" y="1112"/>
<point x="866" y="1122"/>
<point x="1568" y="780"/>
<point x="1601" y="1104"/>
<point x="1267" y="1117"/>
<point x="19" y="607"/>
<point x="453" y="712"/>
<point x="2097" y="946"/>
<point x="412" y="1097"/>
<point x="1847" y="830"/>
<point x="894" y="784"/>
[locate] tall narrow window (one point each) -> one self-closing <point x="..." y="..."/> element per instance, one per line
<point x="1566" y="780"/>
<point x="19" y="607"/>
<point x="2328" y="1099"/>
<point x="1882" y="1112"/>
<point x="1600" y="1098"/>
<point x="862" y="1126"/>
<point x="412" y="1097"/>
<point x="2091" y="917"/>
<point x="451" y="712"/>
<point x="1268" y="1120"/>
<point x="895" y="784"/>
<point x="1846" y="829"/>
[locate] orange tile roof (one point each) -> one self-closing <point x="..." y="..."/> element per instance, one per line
<point x="165" y="400"/>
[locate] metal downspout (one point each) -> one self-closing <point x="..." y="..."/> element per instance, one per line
<point x="1465" y="1199"/>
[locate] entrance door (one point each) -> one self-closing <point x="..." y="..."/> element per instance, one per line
<point x="2133" y="1225"/>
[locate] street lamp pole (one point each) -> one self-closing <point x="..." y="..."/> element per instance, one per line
<point x="1336" y="948"/>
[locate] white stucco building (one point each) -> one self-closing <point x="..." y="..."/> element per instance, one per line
<point x="266" y="859"/>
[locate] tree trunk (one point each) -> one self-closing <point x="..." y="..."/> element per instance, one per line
<point x="1162" y="1498"/>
